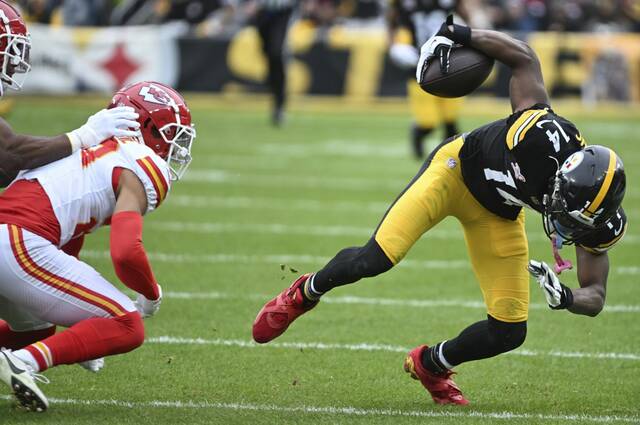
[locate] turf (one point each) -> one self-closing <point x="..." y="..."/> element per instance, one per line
<point x="260" y="205"/>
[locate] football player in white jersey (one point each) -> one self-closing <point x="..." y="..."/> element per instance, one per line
<point x="44" y="215"/>
<point x="21" y="152"/>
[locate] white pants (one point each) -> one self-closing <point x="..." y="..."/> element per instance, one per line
<point x="40" y="285"/>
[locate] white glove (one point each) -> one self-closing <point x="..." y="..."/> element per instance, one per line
<point x="148" y="308"/>
<point x="428" y="50"/>
<point x="119" y="122"/>
<point x="403" y="55"/>
<point x="558" y="295"/>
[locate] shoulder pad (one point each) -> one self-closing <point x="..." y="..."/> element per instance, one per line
<point x="152" y="171"/>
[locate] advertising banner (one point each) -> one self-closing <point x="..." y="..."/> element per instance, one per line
<point x="338" y="61"/>
<point x="70" y="60"/>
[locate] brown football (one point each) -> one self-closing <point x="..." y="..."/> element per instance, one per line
<point x="468" y="68"/>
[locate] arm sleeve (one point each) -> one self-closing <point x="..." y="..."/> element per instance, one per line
<point x="74" y="246"/>
<point x="128" y="254"/>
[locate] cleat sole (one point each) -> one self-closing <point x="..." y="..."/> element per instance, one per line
<point x="26" y="398"/>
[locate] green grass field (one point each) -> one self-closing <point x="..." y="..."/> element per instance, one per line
<point x="258" y="200"/>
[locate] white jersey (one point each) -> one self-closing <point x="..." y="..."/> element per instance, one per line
<point x="81" y="187"/>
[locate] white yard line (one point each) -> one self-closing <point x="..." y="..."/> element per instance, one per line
<point x="384" y="302"/>
<point x="244" y="202"/>
<point x="365" y="346"/>
<point x="275" y="181"/>
<point x="275" y="259"/>
<point x="344" y="411"/>
<point x="288" y="204"/>
<point x="313" y="230"/>
<point x="294" y="259"/>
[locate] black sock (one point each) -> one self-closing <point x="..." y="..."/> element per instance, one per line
<point x="310" y="295"/>
<point x="431" y="361"/>
<point x="451" y="129"/>
<point x="350" y="265"/>
<point x="417" y="140"/>
<point x="484" y="339"/>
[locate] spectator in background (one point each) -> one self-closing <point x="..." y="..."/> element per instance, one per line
<point x="85" y="12"/>
<point x="40" y="11"/>
<point x="609" y="79"/>
<point x="320" y="13"/>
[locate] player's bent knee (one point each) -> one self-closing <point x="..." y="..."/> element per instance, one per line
<point x="133" y="330"/>
<point x="507" y="336"/>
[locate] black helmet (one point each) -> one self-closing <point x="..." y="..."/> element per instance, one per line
<point x="585" y="193"/>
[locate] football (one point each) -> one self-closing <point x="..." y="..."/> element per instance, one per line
<point x="468" y="68"/>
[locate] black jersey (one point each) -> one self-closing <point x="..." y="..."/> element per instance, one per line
<point x="422" y="18"/>
<point x="509" y="163"/>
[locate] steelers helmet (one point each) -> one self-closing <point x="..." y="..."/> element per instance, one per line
<point x="585" y="193"/>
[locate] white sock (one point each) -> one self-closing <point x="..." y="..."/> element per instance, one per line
<point x="444" y="361"/>
<point x="26" y="357"/>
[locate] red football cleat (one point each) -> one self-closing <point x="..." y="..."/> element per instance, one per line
<point x="441" y="387"/>
<point x="276" y="315"/>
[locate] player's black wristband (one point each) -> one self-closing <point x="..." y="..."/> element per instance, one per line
<point x="566" y="299"/>
<point x="460" y="34"/>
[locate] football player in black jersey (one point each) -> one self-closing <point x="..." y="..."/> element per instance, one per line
<point x="411" y="23"/>
<point x="533" y="158"/>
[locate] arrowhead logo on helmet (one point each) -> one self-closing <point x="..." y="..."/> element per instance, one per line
<point x="165" y="121"/>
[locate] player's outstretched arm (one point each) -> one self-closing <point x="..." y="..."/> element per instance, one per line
<point x="526" y="87"/>
<point x="593" y="270"/>
<point x="592" y="277"/>
<point x="22" y="152"/>
<point x="127" y="252"/>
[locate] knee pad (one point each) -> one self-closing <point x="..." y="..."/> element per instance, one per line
<point x="507" y="336"/>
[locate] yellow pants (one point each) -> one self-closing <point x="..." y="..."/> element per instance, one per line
<point x="497" y="247"/>
<point x="430" y="111"/>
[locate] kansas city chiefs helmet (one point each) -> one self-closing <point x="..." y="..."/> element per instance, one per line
<point x="586" y="192"/>
<point x="165" y="121"/>
<point x="15" y="44"/>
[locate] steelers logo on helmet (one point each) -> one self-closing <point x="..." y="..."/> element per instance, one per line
<point x="573" y="161"/>
<point x="586" y="192"/>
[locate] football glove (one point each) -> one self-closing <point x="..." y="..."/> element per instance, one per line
<point x="460" y="34"/>
<point x="558" y="295"/>
<point x="146" y="307"/>
<point x="119" y="122"/>
<point x="404" y="55"/>
<point x="438" y="46"/>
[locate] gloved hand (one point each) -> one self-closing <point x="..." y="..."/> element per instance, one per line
<point x="558" y="295"/>
<point x="146" y="307"/>
<point x="119" y="122"/>
<point x="403" y="55"/>
<point x="435" y="46"/>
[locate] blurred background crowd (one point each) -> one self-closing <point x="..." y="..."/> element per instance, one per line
<point x="211" y="17"/>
